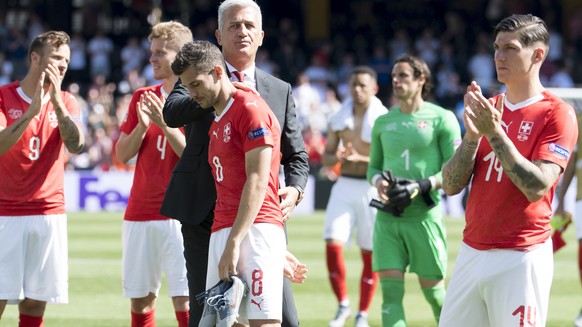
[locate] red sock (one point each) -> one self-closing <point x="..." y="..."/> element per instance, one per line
<point x="147" y="319"/>
<point x="337" y="270"/>
<point x="557" y="240"/>
<point x="29" y="321"/>
<point x="368" y="282"/>
<point x="182" y="317"/>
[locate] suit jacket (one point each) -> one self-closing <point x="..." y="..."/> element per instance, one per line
<point x="191" y="193"/>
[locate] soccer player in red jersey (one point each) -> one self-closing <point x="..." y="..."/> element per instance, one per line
<point x="153" y="243"/>
<point x="36" y="119"/>
<point x="244" y="153"/>
<point x="515" y="148"/>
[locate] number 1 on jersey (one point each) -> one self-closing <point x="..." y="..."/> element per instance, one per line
<point x="406" y="156"/>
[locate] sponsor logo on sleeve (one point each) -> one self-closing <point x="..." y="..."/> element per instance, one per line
<point x="561" y="151"/>
<point x="259" y="132"/>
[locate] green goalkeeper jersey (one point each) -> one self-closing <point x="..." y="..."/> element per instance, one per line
<point x="414" y="146"/>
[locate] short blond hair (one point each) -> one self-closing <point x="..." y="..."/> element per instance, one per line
<point x="174" y="32"/>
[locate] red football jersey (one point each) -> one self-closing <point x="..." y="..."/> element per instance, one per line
<point x="155" y="161"/>
<point x="245" y="124"/>
<point x="33" y="169"/>
<point x="498" y="214"/>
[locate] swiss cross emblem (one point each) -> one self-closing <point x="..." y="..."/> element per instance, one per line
<point x="525" y="127"/>
<point x="524" y="130"/>
<point x="53" y="120"/>
<point x="421" y="124"/>
<point x="226" y="133"/>
<point x="14" y="113"/>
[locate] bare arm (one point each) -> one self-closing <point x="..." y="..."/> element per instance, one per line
<point x="128" y="144"/>
<point x="71" y="130"/>
<point x="533" y="179"/>
<point x="458" y="170"/>
<point x="153" y="109"/>
<point x="257" y="164"/>
<point x="330" y="157"/>
<point x="566" y="181"/>
<point x="11" y="134"/>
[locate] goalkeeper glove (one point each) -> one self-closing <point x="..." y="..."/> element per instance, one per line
<point x="402" y="193"/>
<point x="386" y="207"/>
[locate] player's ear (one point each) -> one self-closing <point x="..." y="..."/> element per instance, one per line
<point x="34" y="57"/>
<point x="539" y="54"/>
<point x="423" y="78"/>
<point x="219" y="71"/>
<point x="218" y="38"/>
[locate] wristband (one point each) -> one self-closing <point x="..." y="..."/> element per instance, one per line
<point x="424" y="185"/>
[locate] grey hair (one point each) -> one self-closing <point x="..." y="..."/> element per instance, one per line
<point x="228" y="4"/>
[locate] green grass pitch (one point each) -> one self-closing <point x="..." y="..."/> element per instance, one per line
<point x="95" y="296"/>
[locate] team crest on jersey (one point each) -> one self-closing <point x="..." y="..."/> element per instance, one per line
<point x="421" y="124"/>
<point x="53" y="120"/>
<point x="561" y="151"/>
<point x="525" y="129"/>
<point x="14" y="113"/>
<point x="226" y="133"/>
<point x="259" y="132"/>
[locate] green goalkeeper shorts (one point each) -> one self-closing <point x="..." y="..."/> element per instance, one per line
<point x="419" y="245"/>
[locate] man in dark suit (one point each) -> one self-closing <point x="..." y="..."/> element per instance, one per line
<point x="190" y="196"/>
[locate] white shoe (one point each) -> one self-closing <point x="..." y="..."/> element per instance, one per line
<point x="343" y="313"/>
<point x="221" y="303"/>
<point x="227" y="304"/>
<point x="361" y="321"/>
<point x="578" y="321"/>
<point x="209" y="316"/>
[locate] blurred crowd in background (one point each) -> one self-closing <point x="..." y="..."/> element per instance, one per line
<point x="110" y="53"/>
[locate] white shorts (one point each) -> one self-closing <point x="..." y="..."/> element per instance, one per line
<point x="499" y="288"/>
<point x="34" y="258"/>
<point x="260" y="265"/>
<point x="150" y="247"/>
<point x="349" y="208"/>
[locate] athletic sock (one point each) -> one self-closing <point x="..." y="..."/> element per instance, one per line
<point x="147" y="319"/>
<point x="392" y="296"/>
<point x="435" y="296"/>
<point x="337" y="270"/>
<point x="182" y="317"/>
<point x="29" y="321"/>
<point x="557" y="240"/>
<point x="368" y="282"/>
<point x="580" y="259"/>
